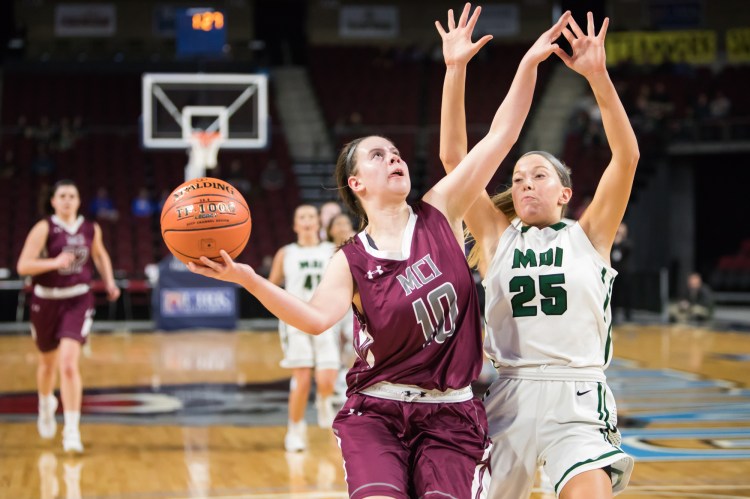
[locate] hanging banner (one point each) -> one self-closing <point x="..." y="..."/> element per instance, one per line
<point x="85" y="20"/>
<point x="638" y="47"/>
<point x="738" y="45"/>
<point x="368" y="21"/>
<point x="499" y="20"/>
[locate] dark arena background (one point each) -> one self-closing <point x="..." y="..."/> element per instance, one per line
<point x="183" y="393"/>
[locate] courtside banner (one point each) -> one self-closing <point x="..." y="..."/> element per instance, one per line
<point x="639" y="47"/>
<point x="184" y="300"/>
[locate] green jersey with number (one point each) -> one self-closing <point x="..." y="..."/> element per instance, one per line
<point x="548" y="301"/>
<point x="304" y="267"/>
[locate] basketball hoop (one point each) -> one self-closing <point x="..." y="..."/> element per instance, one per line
<point x="204" y="149"/>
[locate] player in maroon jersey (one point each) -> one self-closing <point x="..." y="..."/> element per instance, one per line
<point x="58" y="254"/>
<point x="410" y="426"/>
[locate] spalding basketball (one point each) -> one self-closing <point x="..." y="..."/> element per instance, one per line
<point x="203" y="216"/>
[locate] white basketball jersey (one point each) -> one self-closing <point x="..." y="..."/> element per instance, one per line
<point x="304" y="267"/>
<point x="548" y="304"/>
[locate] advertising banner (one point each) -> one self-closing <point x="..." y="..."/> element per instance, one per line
<point x="183" y="300"/>
<point x="638" y="47"/>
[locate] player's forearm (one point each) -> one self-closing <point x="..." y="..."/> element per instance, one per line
<point x="512" y="113"/>
<point x="620" y="134"/>
<point x="104" y="265"/>
<point x="453" y="139"/>
<point x="287" y="307"/>
<point x="36" y="266"/>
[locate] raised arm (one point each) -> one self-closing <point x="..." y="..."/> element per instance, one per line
<point x="458" y="50"/>
<point x="458" y="191"/>
<point x="103" y="264"/>
<point x="483" y="219"/>
<point x="331" y="300"/>
<point x="604" y="214"/>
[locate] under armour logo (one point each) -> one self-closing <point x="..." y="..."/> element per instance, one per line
<point x="371" y="273"/>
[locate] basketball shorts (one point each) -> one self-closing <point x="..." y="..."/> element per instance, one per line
<point x="569" y="427"/>
<point x="52" y="320"/>
<point x="409" y="449"/>
<point x="306" y="350"/>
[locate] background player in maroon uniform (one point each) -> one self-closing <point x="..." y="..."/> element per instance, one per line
<point x="58" y="254"/>
<point x="410" y="426"/>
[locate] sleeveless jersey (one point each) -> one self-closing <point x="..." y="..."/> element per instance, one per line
<point x="75" y="238"/>
<point x="548" y="302"/>
<point x="304" y="267"/>
<point x="419" y="323"/>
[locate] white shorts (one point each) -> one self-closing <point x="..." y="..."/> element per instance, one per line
<point x="306" y="350"/>
<point x="567" y="426"/>
<point x="344" y="330"/>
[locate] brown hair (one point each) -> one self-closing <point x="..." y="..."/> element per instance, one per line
<point x="346" y="165"/>
<point x="62" y="183"/>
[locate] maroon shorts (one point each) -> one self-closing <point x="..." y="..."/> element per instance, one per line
<point x="407" y="449"/>
<point x="52" y="320"/>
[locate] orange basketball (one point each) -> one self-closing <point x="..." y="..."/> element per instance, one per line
<point x="203" y="216"/>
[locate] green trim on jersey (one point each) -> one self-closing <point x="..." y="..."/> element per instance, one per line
<point x="608" y="345"/>
<point x="603" y="456"/>
<point x="557" y="226"/>
<point x="602" y="407"/>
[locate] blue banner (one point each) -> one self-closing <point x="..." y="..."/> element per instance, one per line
<point x="184" y="300"/>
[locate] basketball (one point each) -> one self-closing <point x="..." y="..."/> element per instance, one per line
<point x="203" y="216"/>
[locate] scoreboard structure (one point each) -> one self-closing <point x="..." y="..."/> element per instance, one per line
<point x="201" y="31"/>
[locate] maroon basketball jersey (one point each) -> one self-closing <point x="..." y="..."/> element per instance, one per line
<point x="420" y="323"/>
<point x="75" y="238"/>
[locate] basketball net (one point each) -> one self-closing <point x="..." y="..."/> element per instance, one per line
<point x="204" y="149"/>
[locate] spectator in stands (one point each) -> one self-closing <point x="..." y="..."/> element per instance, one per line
<point x="8" y="167"/>
<point x="696" y="304"/>
<point x="67" y="136"/>
<point x="102" y="208"/>
<point x="45" y="132"/>
<point x="720" y="106"/>
<point x="42" y="165"/>
<point x="621" y="262"/>
<point x="142" y="206"/>
<point x="272" y="178"/>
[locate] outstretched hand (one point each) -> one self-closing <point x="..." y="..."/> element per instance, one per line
<point x="457" y="45"/>
<point x="545" y="45"/>
<point x="229" y="270"/>
<point x="589" y="57"/>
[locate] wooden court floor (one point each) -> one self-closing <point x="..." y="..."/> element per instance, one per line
<point x="202" y="414"/>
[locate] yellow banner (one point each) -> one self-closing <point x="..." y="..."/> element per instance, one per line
<point x="640" y="47"/>
<point x="738" y="45"/>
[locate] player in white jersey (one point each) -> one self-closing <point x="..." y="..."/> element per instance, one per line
<point x="548" y="285"/>
<point x="299" y="267"/>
